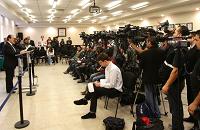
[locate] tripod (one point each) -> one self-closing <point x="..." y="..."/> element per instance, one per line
<point x="138" y="88"/>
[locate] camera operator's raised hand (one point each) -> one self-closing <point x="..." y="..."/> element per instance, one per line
<point x="138" y="49"/>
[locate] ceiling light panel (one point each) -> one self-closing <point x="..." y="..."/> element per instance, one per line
<point x="103" y="17"/>
<point x="23" y="2"/>
<point x="86" y="17"/>
<point x="53" y="11"/>
<point x="17" y="3"/>
<point x="86" y="5"/>
<point x="68" y="17"/>
<point x="114" y="3"/>
<point x="139" y="5"/>
<point x="114" y="7"/>
<point x="83" y="2"/>
<point x="117" y="13"/>
<point x="75" y="11"/>
<point x="51" y="16"/>
<point x="54" y="4"/>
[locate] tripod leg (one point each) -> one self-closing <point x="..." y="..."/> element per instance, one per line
<point x="163" y="103"/>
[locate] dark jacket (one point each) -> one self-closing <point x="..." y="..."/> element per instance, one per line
<point x="10" y="60"/>
<point x="150" y="62"/>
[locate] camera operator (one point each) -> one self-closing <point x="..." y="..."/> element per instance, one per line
<point x="191" y="58"/>
<point x="175" y="82"/>
<point x="150" y="61"/>
<point x="194" y="107"/>
<point x="195" y="84"/>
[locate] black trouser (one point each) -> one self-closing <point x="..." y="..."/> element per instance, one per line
<point x="56" y="57"/>
<point x="99" y="92"/>
<point x="175" y="105"/>
<point x="190" y="91"/>
<point x="80" y="70"/>
<point x="9" y="78"/>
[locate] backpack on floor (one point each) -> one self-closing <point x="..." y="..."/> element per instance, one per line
<point x="155" y="125"/>
<point x="113" y="123"/>
<point x="146" y="119"/>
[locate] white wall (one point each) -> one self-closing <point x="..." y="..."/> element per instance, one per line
<point x="173" y="19"/>
<point x="7" y="27"/>
<point x="73" y="31"/>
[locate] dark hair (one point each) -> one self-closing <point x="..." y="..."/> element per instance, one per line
<point x="184" y="31"/>
<point x="198" y="33"/>
<point x="103" y="57"/>
<point x="9" y="37"/>
<point x="153" y="42"/>
<point x="50" y="49"/>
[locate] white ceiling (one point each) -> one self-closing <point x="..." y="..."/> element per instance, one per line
<point x="40" y="10"/>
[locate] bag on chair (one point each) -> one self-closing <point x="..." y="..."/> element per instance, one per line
<point x="113" y="123"/>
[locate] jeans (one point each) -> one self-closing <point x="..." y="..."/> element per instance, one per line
<point x="175" y="105"/>
<point x="96" y="76"/>
<point x="151" y="98"/>
<point x="49" y="59"/>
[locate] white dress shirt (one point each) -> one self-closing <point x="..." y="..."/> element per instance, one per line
<point x="113" y="78"/>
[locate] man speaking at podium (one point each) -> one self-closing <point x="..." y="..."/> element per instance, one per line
<point x="10" y="61"/>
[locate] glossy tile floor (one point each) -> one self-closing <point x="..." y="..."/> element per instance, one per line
<point x="52" y="107"/>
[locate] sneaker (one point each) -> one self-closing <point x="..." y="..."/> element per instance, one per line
<point x="81" y="102"/>
<point x="81" y="81"/>
<point x="75" y="78"/>
<point x="89" y="116"/>
<point x="65" y="72"/>
<point x="84" y="92"/>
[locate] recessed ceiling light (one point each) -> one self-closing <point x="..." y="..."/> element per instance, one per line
<point x="162" y="15"/>
<point x="197" y="9"/>
<point x="31" y="16"/>
<point x="26" y="10"/>
<point x="51" y="16"/>
<point x="139" y="5"/>
<point x="52" y="11"/>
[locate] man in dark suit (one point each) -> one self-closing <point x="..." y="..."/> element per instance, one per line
<point x="10" y="61"/>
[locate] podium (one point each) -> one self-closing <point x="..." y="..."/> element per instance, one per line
<point x="22" y="123"/>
